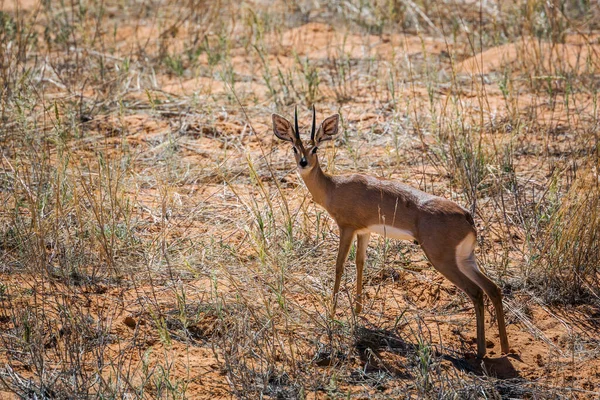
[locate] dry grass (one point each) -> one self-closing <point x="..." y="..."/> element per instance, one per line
<point x="155" y="241"/>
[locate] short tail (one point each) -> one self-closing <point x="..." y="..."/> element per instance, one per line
<point x="469" y="218"/>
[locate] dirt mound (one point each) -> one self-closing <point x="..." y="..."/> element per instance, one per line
<point x="572" y="57"/>
<point x="318" y="40"/>
<point x="14" y="5"/>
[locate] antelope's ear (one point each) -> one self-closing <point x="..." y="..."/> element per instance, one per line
<point x="283" y="128"/>
<point x="328" y="129"/>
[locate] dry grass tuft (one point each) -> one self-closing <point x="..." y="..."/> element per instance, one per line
<point x="570" y="259"/>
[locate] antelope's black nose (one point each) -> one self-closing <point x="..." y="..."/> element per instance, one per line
<point x="303" y="162"/>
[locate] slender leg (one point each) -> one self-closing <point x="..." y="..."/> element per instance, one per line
<point x="362" y="242"/>
<point x="477" y="300"/>
<point x="468" y="266"/>
<point x="475" y="294"/>
<point x="446" y="264"/>
<point x="346" y="236"/>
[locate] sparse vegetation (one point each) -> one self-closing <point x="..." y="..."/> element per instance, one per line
<point x="155" y="241"/>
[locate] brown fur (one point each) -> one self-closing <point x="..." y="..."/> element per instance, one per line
<point x="445" y="230"/>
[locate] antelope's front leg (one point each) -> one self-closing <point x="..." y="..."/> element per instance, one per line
<point x="362" y="242"/>
<point x="346" y="236"/>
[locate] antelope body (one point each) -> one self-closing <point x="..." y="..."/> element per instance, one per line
<point x="361" y="205"/>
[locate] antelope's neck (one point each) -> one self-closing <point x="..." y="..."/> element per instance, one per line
<point x="318" y="184"/>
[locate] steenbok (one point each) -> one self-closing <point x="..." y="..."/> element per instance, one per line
<point x="362" y="204"/>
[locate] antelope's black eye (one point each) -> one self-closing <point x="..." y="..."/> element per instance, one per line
<point x="314" y="150"/>
<point x="295" y="150"/>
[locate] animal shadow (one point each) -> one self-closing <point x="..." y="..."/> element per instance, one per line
<point x="380" y="350"/>
<point x="371" y="344"/>
<point x="498" y="367"/>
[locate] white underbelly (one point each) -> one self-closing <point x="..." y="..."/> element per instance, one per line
<point x="390" y="232"/>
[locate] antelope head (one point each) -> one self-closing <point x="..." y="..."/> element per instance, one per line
<point x="306" y="156"/>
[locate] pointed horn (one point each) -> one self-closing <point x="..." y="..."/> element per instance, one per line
<point x="314" y="125"/>
<point x="296" y="122"/>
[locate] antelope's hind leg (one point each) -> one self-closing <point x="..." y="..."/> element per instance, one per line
<point x="468" y="266"/>
<point x="445" y="262"/>
<point x="450" y="270"/>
